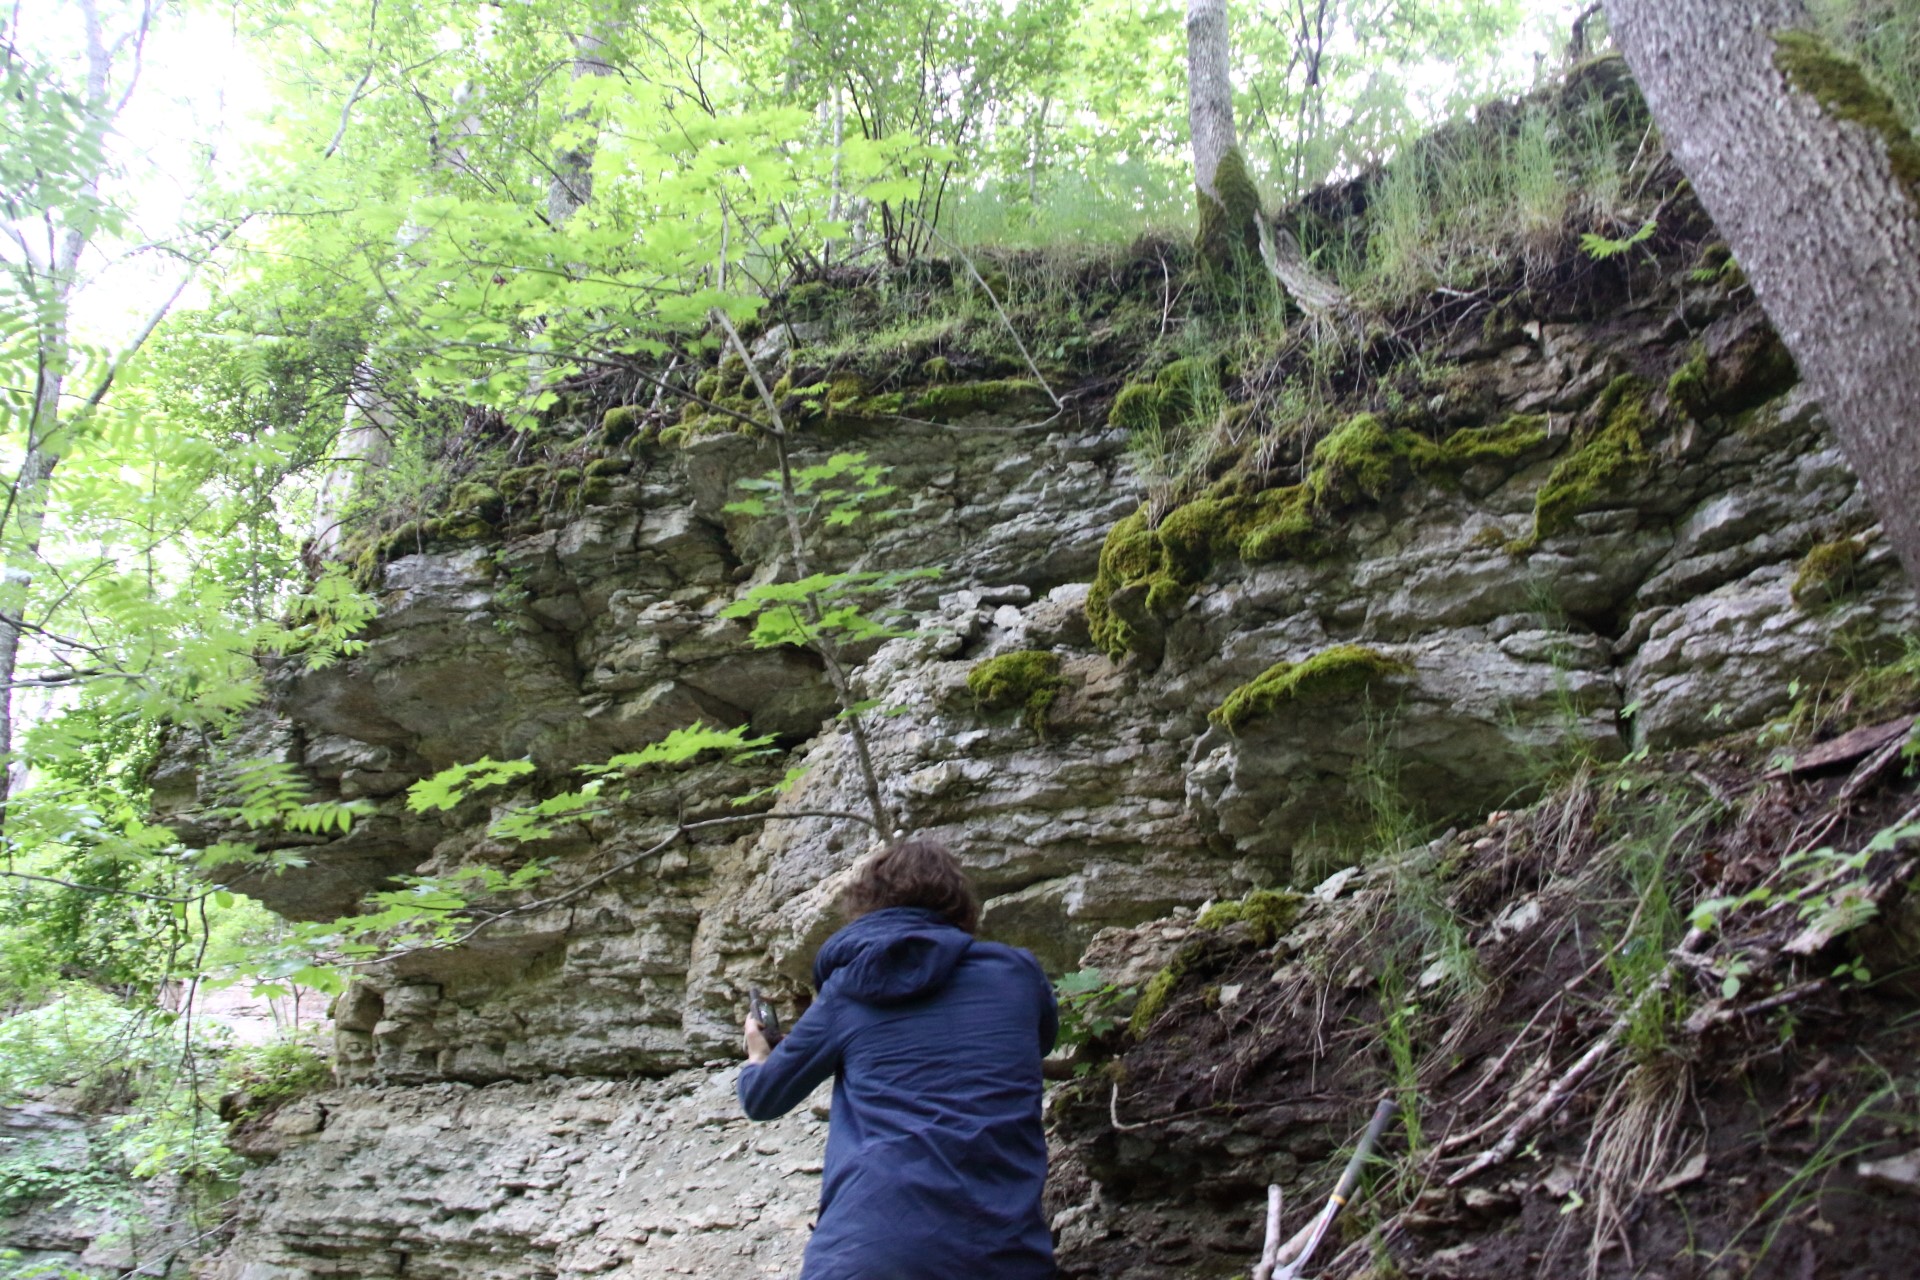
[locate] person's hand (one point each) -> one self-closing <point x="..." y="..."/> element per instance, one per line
<point x="757" y="1046"/>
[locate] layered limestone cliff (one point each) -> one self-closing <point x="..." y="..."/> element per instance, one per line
<point x="1623" y="550"/>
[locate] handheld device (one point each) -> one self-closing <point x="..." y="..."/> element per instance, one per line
<point x="761" y="1010"/>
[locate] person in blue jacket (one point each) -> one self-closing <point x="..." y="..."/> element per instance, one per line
<point x="935" y="1153"/>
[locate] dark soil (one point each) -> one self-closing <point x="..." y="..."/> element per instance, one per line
<point x="1771" y="1115"/>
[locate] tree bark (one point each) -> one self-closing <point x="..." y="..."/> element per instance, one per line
<point x="1227" y="223"/>
<point x="53" y="281"/>
<point x="1816" y="187"/>
<point x="1233" y="232"/>
<point x="572" y="182"/>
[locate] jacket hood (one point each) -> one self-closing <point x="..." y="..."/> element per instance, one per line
<point x="892" y="956"/>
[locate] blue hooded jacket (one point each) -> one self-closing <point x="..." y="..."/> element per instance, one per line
<point x="935" y="1154"/>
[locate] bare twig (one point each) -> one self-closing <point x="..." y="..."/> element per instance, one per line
<point x="824" y="646"/>
<point x="991" y="297"/>
<point x="1574" y="1076"/>
<point x="1710" y="1017"/>
<point x="103" y="890"/>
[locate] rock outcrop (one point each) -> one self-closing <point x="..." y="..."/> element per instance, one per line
<point x="544" y="1101"/>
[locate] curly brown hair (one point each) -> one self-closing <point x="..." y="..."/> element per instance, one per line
<point x="914" y="873"/>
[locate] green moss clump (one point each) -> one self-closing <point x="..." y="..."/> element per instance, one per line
<point x="1281" y="527"/>
<point x="1489" y="537"/>
<point x="876" y="408"/>
<point x="458" y="529"/>
<point x="1029" y="680"/>
<point x="618" y="424"/>
<point x="842" y="387"/>
<point x="707" y="385"/>
<point x="403" y="541"/>
<point x="1193" y="537"/>
<point x="1827" y="573"/>
<point x="1171" y="560"/>
<point x="1130" y="554"/>
<point x="1614" y="454"/>
<point x="1716" y="265"/>
<point x="1153" y="996"/>
<point x="1364" y="458"/>
<point x="942" y="403"/>
<point x="1843" y="90"/>
<point x="1344" y="671"/>
<point x="1229" y="232"/>
<point x="481" y="500"/>
<point x="1166" y="398"/>
<point x="1267" y="913"/>
<point x="1136" y="408"/>
<point x="937" y="369"/>
<point x="609" y="467"/>
<point x="1182" y="384"/>
<point x="1507" y="444"/>
<point x="1687" y="388"/>
<point x="810" y="300"/>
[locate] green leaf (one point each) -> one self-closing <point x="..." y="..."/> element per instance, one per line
<point x="459" y="783"/>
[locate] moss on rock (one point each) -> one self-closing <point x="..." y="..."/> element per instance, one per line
<point x="1344" y="671"/>
<point x="1687" y="388"/>
<point x="1129" y="554"/>
<point x="477" y="499"/>
<point x="467" y="528"/>
<point x="1154" y="996"/>
<point x="618" y="424"/>
<point x="1363" y="461"/>
<point x="1136" y="408"/>
<point x="809" y="300"/>
<point x="1028" y="680"/>
<point x="1506" y="443"/>
<point x="1827" y="573"/>
<point x="1166" y="398"/>
<point x="1267" y="913"/>
<point x="1363" y="458"/>
<point x="1614" y="454"/>
<point x="957" y="400"/>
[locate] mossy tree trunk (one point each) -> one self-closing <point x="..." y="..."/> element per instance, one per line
<point x="1815" y="182"/>
<point x="1229" y="203"/>
<point x="1233" y="233"/>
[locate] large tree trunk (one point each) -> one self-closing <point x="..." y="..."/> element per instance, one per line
<point x="572" y="182"/>
<point x="52" y="282"/>
<point x="1233" y="232"/>
<point x="1816" y="186"/>
<point x="1229" y="204"/>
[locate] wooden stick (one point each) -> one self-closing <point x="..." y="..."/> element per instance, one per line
<point x="1270" y="1253"/>
<point x="1574" y="1076"/>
